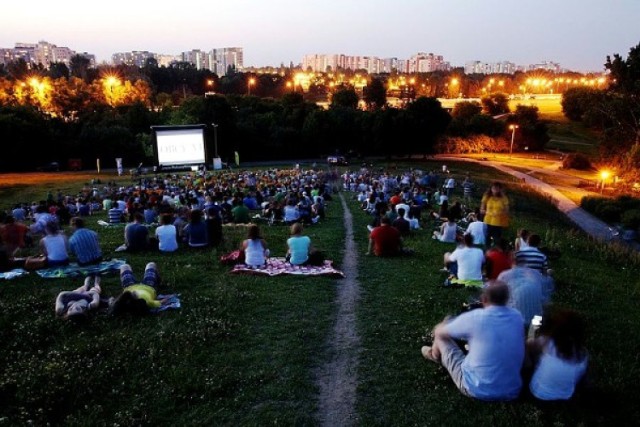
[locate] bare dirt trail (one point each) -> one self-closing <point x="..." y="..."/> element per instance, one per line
<point x="337" y="378"/>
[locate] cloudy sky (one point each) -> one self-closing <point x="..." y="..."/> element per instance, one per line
<point x="578" y="34"/>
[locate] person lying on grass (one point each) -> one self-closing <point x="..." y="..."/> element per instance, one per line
<point x="137" y="297"/>
<point x="495" y="336"/>
<point x="77" y="304"/>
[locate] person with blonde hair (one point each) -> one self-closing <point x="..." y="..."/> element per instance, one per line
<point x="298" y="245"/>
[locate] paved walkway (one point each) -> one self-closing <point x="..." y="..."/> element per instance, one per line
<point x="587" y="222"/>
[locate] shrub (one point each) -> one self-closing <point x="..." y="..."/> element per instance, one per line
<point x="609" y="211"/>
<point x="576" y="161"/>
<point x="631" y="219"/>
<point x="590" y="204"/>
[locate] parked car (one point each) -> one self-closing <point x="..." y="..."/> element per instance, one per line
<point x="337" y="161"/>
<point x="49" y="167"/>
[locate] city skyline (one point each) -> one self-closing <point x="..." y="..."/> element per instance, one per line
<point x="578" y="34"/>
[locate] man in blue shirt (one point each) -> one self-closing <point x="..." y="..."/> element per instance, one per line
<point x="136" y="235"/>
<point x="84" y="243"/>
<point x="495" y="335"/>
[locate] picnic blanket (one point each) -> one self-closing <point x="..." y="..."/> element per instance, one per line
<point x="278" y="266"/>
<point x="74" y="270"/>
<point x="16" y="272"/>
<point x="168" y="302"/>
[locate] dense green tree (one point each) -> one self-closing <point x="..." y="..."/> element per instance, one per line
<point x="578" y="101"/>
<point x="345" y="98"/>
<point x="531" y="133"/>
<point x="495" y="104"/>
<point x="79" y="67"/>
<point x="58" y="70"/>
<point x="427" y="120"/>
<point x="375" y="94"/>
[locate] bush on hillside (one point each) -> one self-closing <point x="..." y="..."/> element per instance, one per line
<point x="631" y="219"/>
<point x="576" y="161"/>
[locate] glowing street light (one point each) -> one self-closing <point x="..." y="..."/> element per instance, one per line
<point x="604" y="175"/>
<point x="513" y="136"/>
<point x="250" y="83"/>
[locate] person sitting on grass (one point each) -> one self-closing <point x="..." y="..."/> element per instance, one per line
<point x="14" y="235"/>
<point x="299" y="246"/>
<point x="240" y="213"/>
<point x="166" y="234"/>
<point x="255" y="248"/>
<point x="465" y="263"/>
<point x="448" y="232"/>
<point x="401" y="224"/>
<point x="136" y="234"/>
<point x="385" y="240"/>
<point x="137" y="297"/>
<point x="84" y="243"/>
<point x="495" y="336"/>
<point x="196" y="233"/>
<point x="559" y="356"/>
<point x="54" y="245"/>
<point x="531" y="256"/>
<point x="477" y="229"/>
<point x="77" y="304"/>
<point x="498" y="259"/>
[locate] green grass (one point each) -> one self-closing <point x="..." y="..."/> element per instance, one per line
<point x="243" y="350"/>
<point x="569" y="136"/>
<point x="402" y="300"/>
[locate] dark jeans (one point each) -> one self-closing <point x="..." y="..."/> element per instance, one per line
<point x="493" y="233"/>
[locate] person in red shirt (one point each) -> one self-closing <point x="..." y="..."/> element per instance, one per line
<point x="13" y="234"/>
<point x="395" y="199"/>
<point x="498" y="259"/>
<point x="385" y="240"/>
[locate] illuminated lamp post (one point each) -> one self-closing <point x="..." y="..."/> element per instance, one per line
<point x="603" y="175"/>
<point x="250" y="83"/>
<point x="513" y="136"/>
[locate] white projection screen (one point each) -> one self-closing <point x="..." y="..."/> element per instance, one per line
<point x="180" y="146"/>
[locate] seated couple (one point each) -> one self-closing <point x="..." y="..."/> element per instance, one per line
<point x="491" y="370"/>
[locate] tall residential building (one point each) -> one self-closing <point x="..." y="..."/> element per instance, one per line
<point x="545" y="65"/>
<point x="165" y="60"/>
<point x="43" y="52"/>
<point x="136" y="58"/>
<point x="427" y="63"/>
<point x="196" y="57"/>
<point x="478" y="67"/>
<point x="421" y="62"/>
<point x="220" y="59"/>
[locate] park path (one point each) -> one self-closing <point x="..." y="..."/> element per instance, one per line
<point x="587" y="222"/>
<point x="337" y="378"/>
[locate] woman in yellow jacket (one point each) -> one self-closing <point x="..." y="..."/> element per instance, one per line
<point x="495" y="208"/>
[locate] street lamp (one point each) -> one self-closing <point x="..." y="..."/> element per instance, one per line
<point x="215" y="140"/>
<point x="604" y="175"/>
<point x="250" y="83"/>
<point x="513" y="136"/>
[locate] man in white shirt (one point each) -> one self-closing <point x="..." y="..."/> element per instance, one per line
<point x="466" y="261"/>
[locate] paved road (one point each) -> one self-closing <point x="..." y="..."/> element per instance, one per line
<point x="587" y="222"/>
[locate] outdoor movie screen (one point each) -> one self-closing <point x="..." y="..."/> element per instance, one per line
<point x="180" y="146"/>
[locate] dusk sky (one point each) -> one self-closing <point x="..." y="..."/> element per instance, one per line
<point x="578" y="34"/>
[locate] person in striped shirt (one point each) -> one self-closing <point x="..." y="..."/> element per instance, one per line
<point x="531" y="256"/>
<point x="84" y="243"/>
